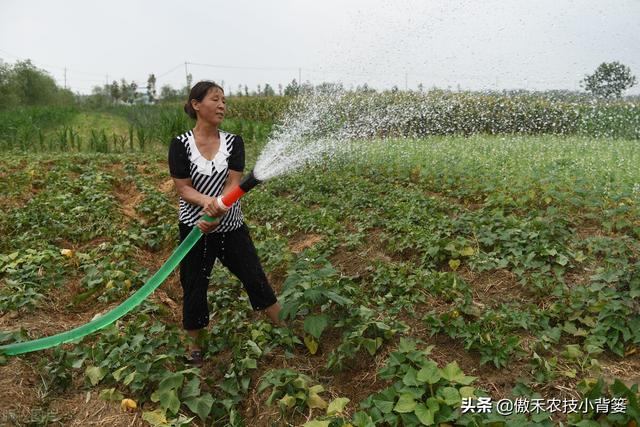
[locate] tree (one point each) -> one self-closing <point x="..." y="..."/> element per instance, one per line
<point x="187" y="89"/>
<point x="167" y="93"/>
<point x="609" y="79"/>
<point x="365" y="89"/>
<point x="125" y="94"/>
<point x="329" y="88"/>
<point x="292" y="89"/>
<point x="100" y="97"/>
<point x="133" y="89"/>
<point x="151" y="88"/>
<point x="114" y="91"/>
<point x="268" y="90"/>
<point x="25" y="84"/>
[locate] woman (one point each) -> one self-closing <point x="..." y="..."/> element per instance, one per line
<point x="206" y="162"/>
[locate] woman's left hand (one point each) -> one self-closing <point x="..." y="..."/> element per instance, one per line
<point x="206" y="226"/>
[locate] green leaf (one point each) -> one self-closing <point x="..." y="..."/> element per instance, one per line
<point x="110" y="394"/>
<point x="117" y="374"/>
<point x="572" y="351"/>
<point x="619" y="389"/>
<point x="249" y="363"/>
<point x="289" y="311"/>
<point x="405" y="404"/>
<point x="372" y="345"/>
<point x="95" y="374"/>
<point x="244" y="383"/>
<point x="316" y="423"/>
<point x="406" y="345"/>
<point x="467" y="251"/>
<point x="425" y="415"/>
<point x="450" y="395"/>
<point x="255" y="348"/>
<point x="588" y="423"/>
<point x="571" y="329"/>
<point x="318" y="388"/>
<point x="410" y="378"/>
<point x="315" y="324"/>
<point x="538" y="417"/>
<point x="467" y="391"/>
<point x="287" y="401"/>
<point x="338" y="298"/>
<point x="169" y="400"/>
<point x="171" y="381"/>
<point x="384" y="406"/>
<point x="315" y="401"/>
<point x="432" y="403"/>
<point x="362" y="419"/>
<point x="337" y="406"/>
<point x="129" y="378"/>
<point x="453" y="373"/>
<point x="312" y="344"/>
<point x="155" y="418"/>
<point x="429" y="373"/>
<point x="191" y="388"/>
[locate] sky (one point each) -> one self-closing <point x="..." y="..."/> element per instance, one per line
<point x="466" y="45"/>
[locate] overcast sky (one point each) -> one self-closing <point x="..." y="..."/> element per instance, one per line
<point x="488" y="44"/>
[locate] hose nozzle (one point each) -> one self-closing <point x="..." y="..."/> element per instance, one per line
<point x="248" y="182"/>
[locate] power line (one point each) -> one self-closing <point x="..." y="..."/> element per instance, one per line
<point x="43" y="65"/>
<point x="239" y="67"/>
<point x="170" y="71"/>
<point x="68" y="78"/>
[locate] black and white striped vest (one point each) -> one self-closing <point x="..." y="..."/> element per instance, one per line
<point x="208" y="177"/>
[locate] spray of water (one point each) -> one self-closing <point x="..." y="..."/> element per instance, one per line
<point x="303" y="137"/>
<point x="330" y="123"/>
<point x="322" y="125"/>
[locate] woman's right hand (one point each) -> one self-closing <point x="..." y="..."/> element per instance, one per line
<point x="212" y="208"/>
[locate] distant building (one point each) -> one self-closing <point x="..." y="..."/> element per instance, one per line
<point x="143" y="98"/>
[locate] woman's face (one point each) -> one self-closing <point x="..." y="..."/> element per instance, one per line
<point x="212" y="107"/>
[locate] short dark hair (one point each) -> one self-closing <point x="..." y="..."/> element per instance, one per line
<point x="198" y="92"/>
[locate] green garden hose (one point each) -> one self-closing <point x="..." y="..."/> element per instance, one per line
<point x="225" y="202"/>
<point x="113" y="315"/>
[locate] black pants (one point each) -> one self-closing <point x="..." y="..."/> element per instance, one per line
<point x="236" y="252"/>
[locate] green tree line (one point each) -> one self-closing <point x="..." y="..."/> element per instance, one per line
<point x="23" y="84"/>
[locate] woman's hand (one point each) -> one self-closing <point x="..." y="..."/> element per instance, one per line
<point x="212" y="208"/>
<point x="206" y="226"/>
